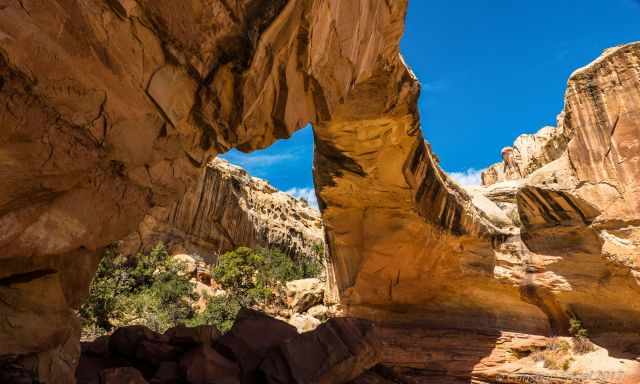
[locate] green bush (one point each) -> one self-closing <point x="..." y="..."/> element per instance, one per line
<point x="581" y="342"/>
<point x="150" y="289"/>
<point x="220" y="311"/>
<point x="252" y="275"/>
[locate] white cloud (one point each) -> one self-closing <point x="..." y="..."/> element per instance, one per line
<point x="436" y="86"/>
<point x="308" y="194"/>
<point x="470" y="177"/>
<point x="258" y="161"/>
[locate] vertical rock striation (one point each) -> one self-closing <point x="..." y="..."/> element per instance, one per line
<point x="528" y="153"/>
<point x="226" y="209"/>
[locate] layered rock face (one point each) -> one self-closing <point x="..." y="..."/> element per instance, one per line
<point x="528" y="153"/>
<point x="226" y="209"/>
<point x="554" y="240"/>
<point x="109" y="108"/>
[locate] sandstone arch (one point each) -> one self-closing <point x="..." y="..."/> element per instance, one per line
<point x="110" y="107"/>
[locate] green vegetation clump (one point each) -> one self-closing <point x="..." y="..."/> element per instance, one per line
<point x="220" y="311"/>
<point x="253" y="276"/>
<point x="581" y="342"/>
<point x="149" y="289"/>
<point x="154" y="290"/>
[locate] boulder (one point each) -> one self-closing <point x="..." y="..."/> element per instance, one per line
<point x="123" y="375"/>
<point x="168" y="373"/>
<point x="304" y="322"/>
<point x="304" y="294"/>
<point x="203" y="365"/>
<point x="125" y="340"/>
<point x="320" y="312"/>
<point x="154" y="353"/>
<point x="338" y="351"/>
<point x="98" y="347"/>
<point x="251" y="338"/>
<point x="190" y="336"/>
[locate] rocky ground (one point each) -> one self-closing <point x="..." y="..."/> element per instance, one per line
<point x="300" y="303"/>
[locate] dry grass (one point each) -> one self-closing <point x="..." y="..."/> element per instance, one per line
<point x="556" y="355"/>
<point x="582" y="345"/>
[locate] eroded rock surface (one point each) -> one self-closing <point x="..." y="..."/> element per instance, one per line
<point x="226" y="209"/>
<point x="258" y="349"/>
<point x="528" y="153"/>
<point x="110" y="108"/>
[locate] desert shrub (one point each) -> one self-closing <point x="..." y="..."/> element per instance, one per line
<point x="556" y="355"/>
<point x="220" y="311"/>
<point x="313" y="266"/>
<point x="582" y="345"/>
<point x="576" y="329"/>
<point x="149" y="289"/>
<point x="252" y="275"/>
<point x="152" y="289"/>
<point x="581" y="342"/>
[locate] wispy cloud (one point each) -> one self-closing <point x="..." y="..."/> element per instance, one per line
<point x="435" y="86"/>
<point x="470" y="177"/>
<point x="258" y="160"/>
<point x="308" y="194"/>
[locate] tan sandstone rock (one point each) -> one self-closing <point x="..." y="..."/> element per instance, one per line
<point x="226" y="209"/>
<point x="109" y="109"/>
<point x="304" y="294"/>
<point x="528" y="153"/>
<point x="304" y="322"/>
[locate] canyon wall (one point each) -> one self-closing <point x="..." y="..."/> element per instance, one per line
<point x="227" y="208"/>
<point x="110" y="108"/>
<point x="528" y="153"/>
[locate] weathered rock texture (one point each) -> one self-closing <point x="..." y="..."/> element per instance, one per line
<point x="227" y="209"/>
<point x="258" y="349"/>
<point x="529" y="152"/>
<point x="557" y="240"/>
<point x="110" y="107"/>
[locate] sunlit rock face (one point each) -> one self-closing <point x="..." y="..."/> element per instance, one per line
<point x="110" y="109"/>
<point x="228" y="208"/>
<point x="528" y="153"/>
<point x="577" y="210"/>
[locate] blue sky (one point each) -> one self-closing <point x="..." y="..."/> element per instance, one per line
<point x="490" y="71"/>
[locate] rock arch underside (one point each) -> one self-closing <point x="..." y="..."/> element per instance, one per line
<point x="109" y="108"/>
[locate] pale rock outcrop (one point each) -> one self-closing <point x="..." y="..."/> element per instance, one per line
<point x="528" y="153"/>
<point x="304" y="322"/>
<point x="227" y="209"/>
<point x="304" y="294"/>
<point x="338" y="351"/>
<point x="320" y="312"/>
